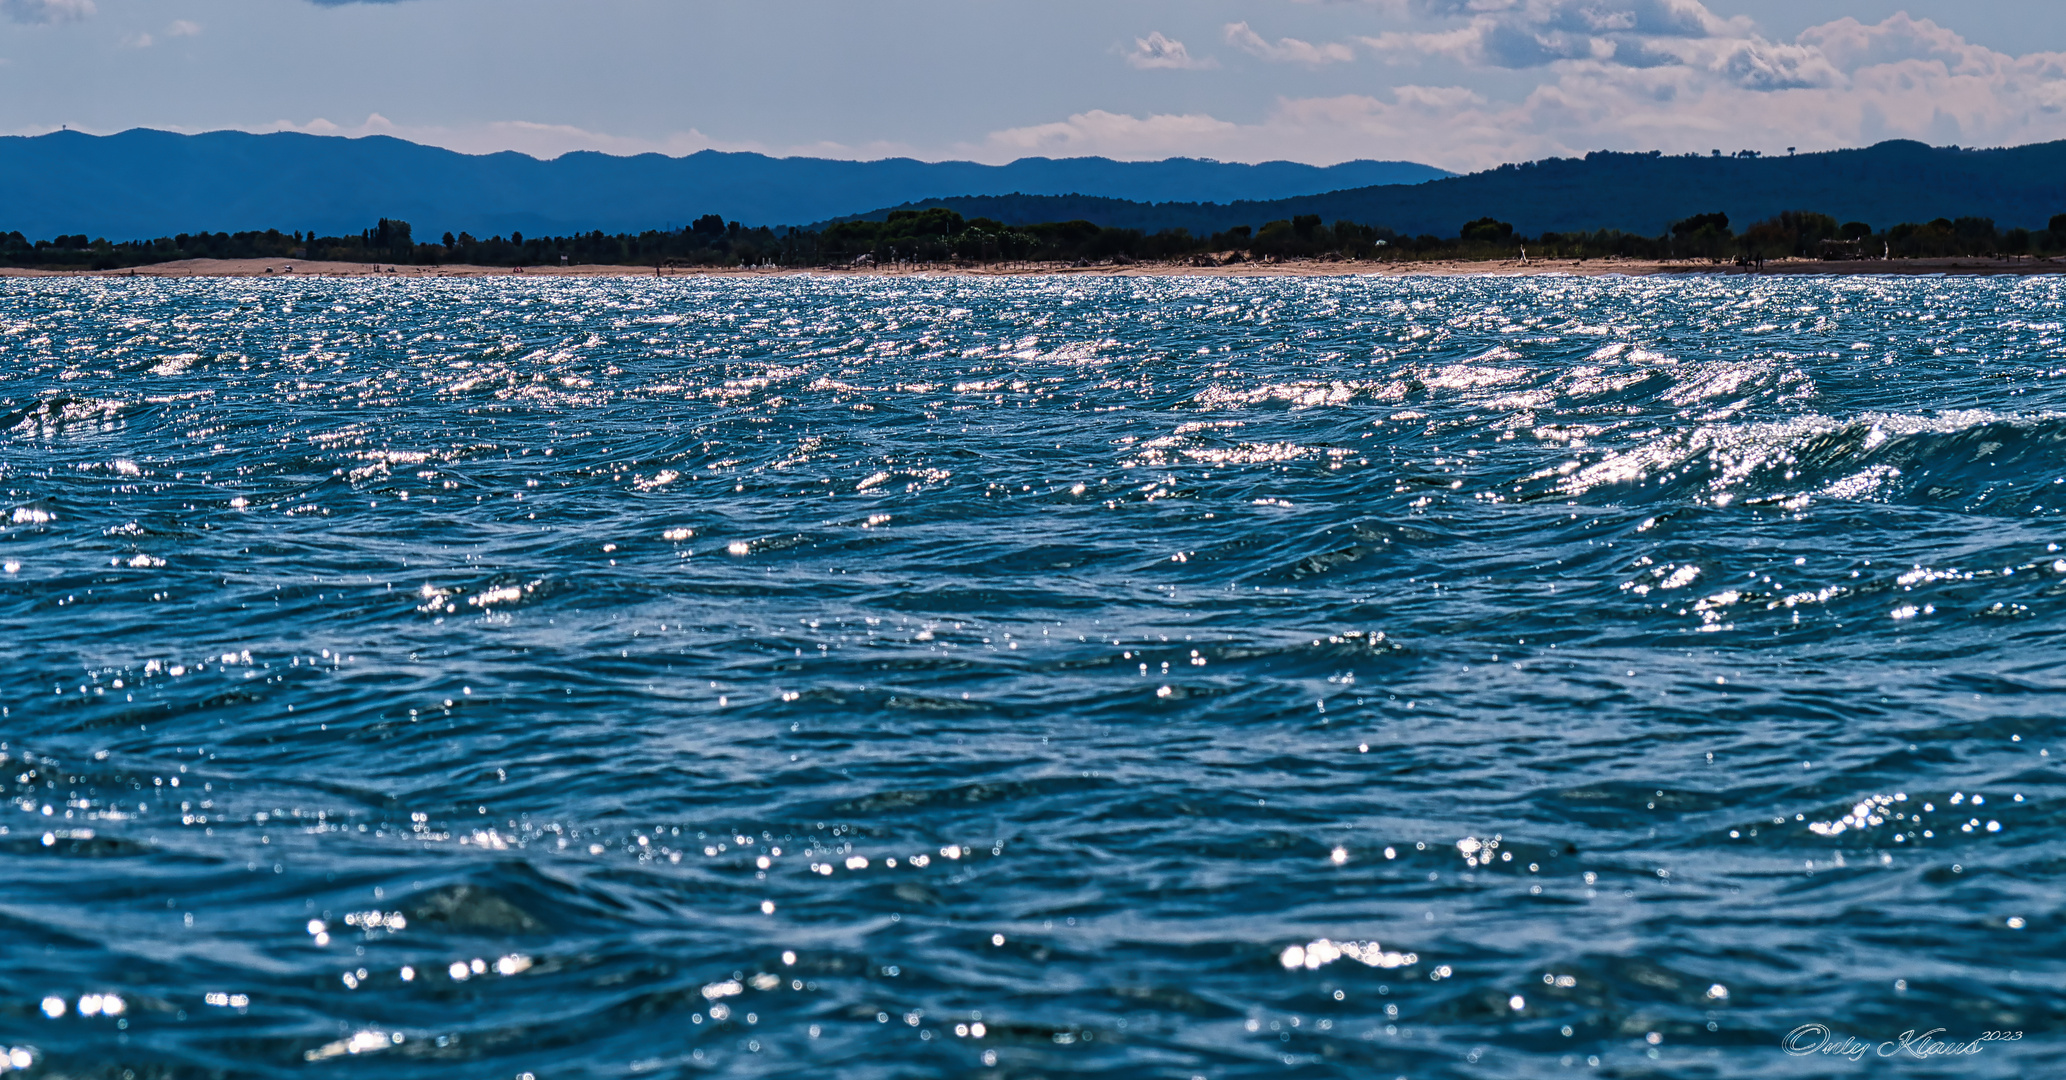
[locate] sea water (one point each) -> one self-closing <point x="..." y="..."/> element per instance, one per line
<point x="799" y="677"/>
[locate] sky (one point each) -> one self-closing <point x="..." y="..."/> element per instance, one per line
<point x="1462" y="84"/>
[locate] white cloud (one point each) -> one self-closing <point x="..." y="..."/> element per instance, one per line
<point x="1844" y="83"/>
<point x="1649" y="18"/>
<point x="1523" y="34"/>
<point x="1534" y="33"/>
<point x="1763" y="65"/>
<point x="46" y="11"/>
<point x="1156" y="51"/>
<point x="1851" y="45"/>
<point x="1463" y="43"/>
<point x="1115" y="135"/>
<point x="1287" y="50"/>
<point x="178" y="29"/>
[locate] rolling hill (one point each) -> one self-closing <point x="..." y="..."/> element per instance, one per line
<point x="1641" y="193"/>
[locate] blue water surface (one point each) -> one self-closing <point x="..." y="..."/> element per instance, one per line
<point x="1146" y="677"/>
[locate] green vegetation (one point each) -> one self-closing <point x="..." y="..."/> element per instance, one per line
<point x="711" y="241"/>
<point x="938" y="235"/>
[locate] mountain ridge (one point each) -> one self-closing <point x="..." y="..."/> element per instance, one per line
<point x="144" y="182"/>
<point x="1889" y="182"/>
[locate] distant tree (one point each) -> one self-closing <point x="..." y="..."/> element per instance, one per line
<point x="1360" y="241"/>
<point x="1810" y="228"/>
<point x="1487" y="230"/>
<point x="2057" y="226"/>
<point x="1911" y="240"/>
<point x="1974" y="229"/>
<point x="1301" y="235"/>
<point x="392" y="239"/>
<point x="1855" y="230"/>
<point x="1702" y="235"/>
<point x="1110" y="243"/>
<point x="1793" y="232"/>
<point x="1275" y="238"/>
<point x="1717" y="223"/>
<point x="936" y="221"/>
<point x="1770" y="239"/>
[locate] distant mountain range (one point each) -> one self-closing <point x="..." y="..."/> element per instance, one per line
<point x="141" y="184"/>
<point x="1881" y="185"/>
<point x="144" y="183"/>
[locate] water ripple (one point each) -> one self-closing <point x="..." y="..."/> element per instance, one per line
<point x="1189" y="677"/>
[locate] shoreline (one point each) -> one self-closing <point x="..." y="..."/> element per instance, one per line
<point x="289" y="268"/>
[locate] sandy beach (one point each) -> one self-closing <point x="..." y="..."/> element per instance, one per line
<point x="1288" y="268"/>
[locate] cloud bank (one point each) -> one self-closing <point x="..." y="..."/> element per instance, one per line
<point x="1611" y="74"/>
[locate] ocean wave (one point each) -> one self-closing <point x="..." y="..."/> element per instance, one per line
<point x="1971" y="461"/>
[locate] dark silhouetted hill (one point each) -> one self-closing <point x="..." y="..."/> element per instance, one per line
<point x="1640" y="193"/>
<point x="145" y="183"/>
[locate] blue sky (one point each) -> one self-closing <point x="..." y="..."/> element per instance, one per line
<point x="1457" y="83"/>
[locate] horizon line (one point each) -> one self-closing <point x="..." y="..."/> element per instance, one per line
<point x="66" y="129"/>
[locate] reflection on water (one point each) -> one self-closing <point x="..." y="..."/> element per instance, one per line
<point x="1136" y="677"/>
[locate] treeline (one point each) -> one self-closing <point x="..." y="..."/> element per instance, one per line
<point x="1804" y="234"/>
<point x="710" y="241"/>
<point x="939" y="235"/>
